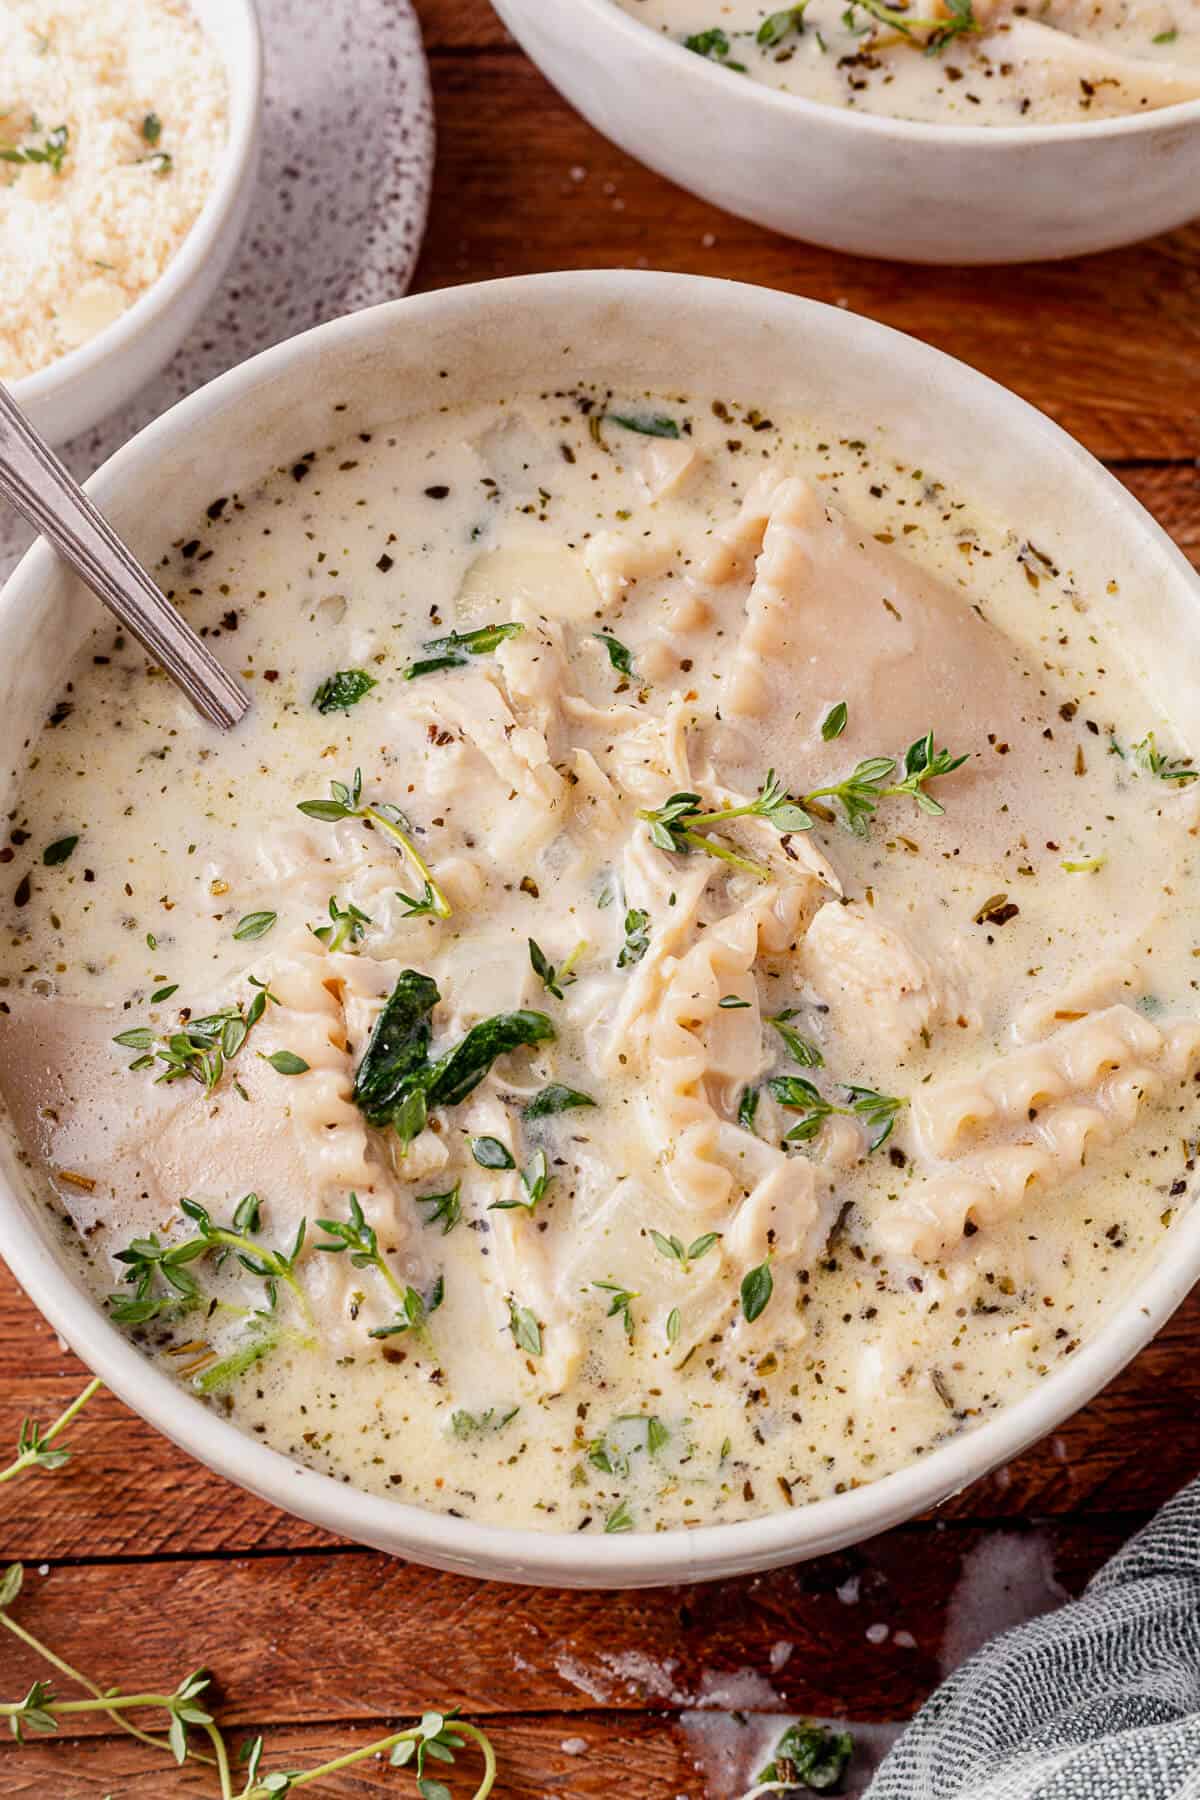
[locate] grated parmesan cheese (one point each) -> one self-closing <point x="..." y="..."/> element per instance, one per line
<point x="80" y="245"/>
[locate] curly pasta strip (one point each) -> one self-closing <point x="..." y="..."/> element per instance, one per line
<point x="948" y="1114"/>
<point x="689" y="1046"/>
<point x="310" y="1021"/>
<point x="1081" y="1091"/>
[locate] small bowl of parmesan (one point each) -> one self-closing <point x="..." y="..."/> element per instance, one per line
<point x="128" y="148"/>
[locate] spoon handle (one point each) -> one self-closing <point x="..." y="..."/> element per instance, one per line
<point x="37" y="484"/>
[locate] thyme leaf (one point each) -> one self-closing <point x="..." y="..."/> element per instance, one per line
<point x="527" y="1333"/>
<point x="756" y="1290"/>
<point x="555" y="1098"/>
<point x="286" y="1062"/>
<point x="834" y="722"/>
<point x="490" y="1153"/>
<point x="778" y="25"/>
<point x="254" y="925"/>
<point x="801" y="1049"/>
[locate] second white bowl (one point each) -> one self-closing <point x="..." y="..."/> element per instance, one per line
<point x="856" y="181"/>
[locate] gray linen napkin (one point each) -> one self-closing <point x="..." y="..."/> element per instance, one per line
<point x="1098" y="1701"/>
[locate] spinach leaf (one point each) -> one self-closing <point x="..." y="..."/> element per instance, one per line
<point x="459" y="1073"/>
<point x="342" y="690"/>
<point x="398" y="1049"/>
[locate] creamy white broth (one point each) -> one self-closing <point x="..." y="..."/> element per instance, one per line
<point x="1057" y="62"/>
<point x="1016" y="971"/>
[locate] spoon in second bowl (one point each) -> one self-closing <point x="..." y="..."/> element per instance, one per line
<point x="45" y="493"/>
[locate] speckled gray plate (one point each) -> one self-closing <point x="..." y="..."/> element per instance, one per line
<point x="338" y="213"/>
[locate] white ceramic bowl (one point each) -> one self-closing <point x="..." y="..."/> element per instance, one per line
<point x="658" y="331"/>
<point x="856" y="181"/>
<point x="75" y="392"/>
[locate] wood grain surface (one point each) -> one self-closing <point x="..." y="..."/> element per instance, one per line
<point x="141" y="1565"/>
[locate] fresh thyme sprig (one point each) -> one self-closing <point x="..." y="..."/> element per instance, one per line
<point x="621" y="1304"/>
<point x="355" y="1235"/>
<point x="414" y="1311"/>
<point x="201" y="1048"/>
<point x="424" y="907"/>
<point x="347" y="927"/>
<point x="637" y="938"/>
<point x="680" y="824"/>
<point x="437" y="1736"/>
<point x="164" y="1283"/>
<point x="52" y="150"/>
<point x="554" y="980"/>
<point x="33" y="1444"/>
<point x="446" y="1208"/>
<point x="932" y="34"/>
<point x="1154" y="761"/>
<point x="684" y="1254"/>
<point x="535" y="1180"/>
<point x="876" y="1111"/>
<point x="345" y="802"/>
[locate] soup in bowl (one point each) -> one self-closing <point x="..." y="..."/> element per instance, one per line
<point x="665" y="1042"/>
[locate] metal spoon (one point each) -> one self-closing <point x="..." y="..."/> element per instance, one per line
<point x="45" y="493"/>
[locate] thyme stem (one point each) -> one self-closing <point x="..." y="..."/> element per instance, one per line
<point x="111" y="1701"/>
<point x="29" y="1457"/>
<point x="441" y="906"/>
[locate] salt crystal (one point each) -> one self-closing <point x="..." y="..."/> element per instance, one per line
<point x="877" y="1634"/>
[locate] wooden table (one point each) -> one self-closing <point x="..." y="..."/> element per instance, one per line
<point x="143" y="1564"/>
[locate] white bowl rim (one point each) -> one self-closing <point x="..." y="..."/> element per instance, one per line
<point x="609" y="15"/>
<point x="244" y="77"/>
<point x="519" y="1553"/>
